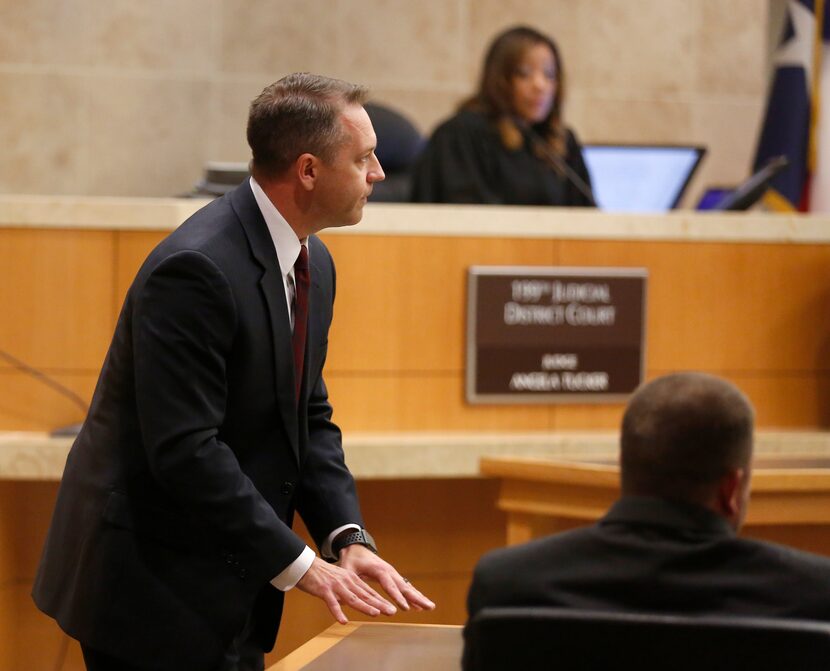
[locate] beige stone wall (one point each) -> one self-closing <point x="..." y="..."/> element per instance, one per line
<point x="118" y="97"/>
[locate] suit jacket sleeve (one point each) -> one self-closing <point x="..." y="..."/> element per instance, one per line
<point x="183" y="327"/>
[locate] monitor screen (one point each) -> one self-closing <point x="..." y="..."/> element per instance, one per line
<point x="640" y="178"/>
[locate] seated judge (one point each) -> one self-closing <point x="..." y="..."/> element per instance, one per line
<point x="670" y="544"/>
<point x="508" y="144"/>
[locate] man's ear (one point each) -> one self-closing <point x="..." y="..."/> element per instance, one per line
<point x="730" y="494"/>
<point x="307" y="167"/>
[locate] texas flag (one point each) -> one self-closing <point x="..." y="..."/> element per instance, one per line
<point x="793" y="122"/>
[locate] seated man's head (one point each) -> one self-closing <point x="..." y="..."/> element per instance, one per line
<point x="688" y="437"/>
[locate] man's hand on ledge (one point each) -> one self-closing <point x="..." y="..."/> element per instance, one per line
<point x="336" y="585"/>
<point x="343" y="584"/>
<point x="368" y="566"/>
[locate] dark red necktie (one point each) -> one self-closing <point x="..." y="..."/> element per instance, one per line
<point x="301" y="283"/>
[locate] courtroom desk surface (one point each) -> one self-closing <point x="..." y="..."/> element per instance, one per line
<point x="161" y="214"/>
<point x="369" y="645"/>
<point x="38" y="456"/>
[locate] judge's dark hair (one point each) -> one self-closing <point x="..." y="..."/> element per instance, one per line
<point x="494" y="97"/>
<point x="298" y="114"/>
<point x="681" y="434"/>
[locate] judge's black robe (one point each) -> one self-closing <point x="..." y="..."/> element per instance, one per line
<point x="465" y="161"/>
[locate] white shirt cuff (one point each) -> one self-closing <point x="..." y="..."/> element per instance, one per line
<point x="326" y="549"/>
<point x="291" y="575"/>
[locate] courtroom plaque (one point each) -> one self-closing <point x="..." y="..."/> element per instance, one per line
<point x="552" y="334"/>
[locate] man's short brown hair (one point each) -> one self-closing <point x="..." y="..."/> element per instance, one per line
<point x="298" y="114"/>
<point x="681" y="434"/>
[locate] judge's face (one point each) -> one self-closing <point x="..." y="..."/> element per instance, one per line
<point x="534" y="84"/>
<point x="346" y="181"/>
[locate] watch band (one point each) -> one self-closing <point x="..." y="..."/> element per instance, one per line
<point x="359" y="536"/>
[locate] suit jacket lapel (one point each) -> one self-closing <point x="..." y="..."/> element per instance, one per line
<point x="271" y="284"/>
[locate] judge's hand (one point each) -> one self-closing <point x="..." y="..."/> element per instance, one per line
<point x="336" y="585"/>
<point x="369" y="566"/>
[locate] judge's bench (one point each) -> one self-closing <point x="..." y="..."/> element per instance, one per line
<point x="744" y="296"/>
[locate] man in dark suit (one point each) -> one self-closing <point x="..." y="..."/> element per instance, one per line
<point x="171" y="542"/>
<point x="669" y="545"/>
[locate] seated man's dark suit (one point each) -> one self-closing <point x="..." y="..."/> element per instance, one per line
<point x="650" y="555"/>
<point x="175" y="507"/>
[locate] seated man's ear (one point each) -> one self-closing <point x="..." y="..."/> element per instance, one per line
<point x="731" y="495"/>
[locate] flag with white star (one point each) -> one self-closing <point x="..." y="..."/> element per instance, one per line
<point x="791" y="125"/>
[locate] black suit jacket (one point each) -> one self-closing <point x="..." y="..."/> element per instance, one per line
<point x="654" y="556"/>
<point x="176" y="503"/>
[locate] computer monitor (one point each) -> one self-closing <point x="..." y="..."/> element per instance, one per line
<point x="748" y="193"/>
<point x="640" y="177"/>
<point x="713" y="196"/>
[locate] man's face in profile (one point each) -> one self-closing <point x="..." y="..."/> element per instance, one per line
<point x="345" y="183"/>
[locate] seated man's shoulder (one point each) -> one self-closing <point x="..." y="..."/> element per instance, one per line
<point x="783" y="557"/>
<point x="538" y="552"/>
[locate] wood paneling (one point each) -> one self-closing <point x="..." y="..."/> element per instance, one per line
<point x="738" y="307"/>
<point x="132" y="247"/>
<point x="755" y="313"/>
<point x="413" y="402"/>
<point x="782" y="399"/>
<point x="28" y="638"/>
<point x="8" y="529"/>
<point x="8" y="577"/>
<point x="587" y="416"/>
<point x="40" y="643"/>
<point x="56" y="295"/>
<point x="27" y="404"/>
<point x="417" y="521"/>
<point x="8" y="627"/>
<point x="401" y="301"/>
<point x="786" y="400"/>
<point x="34" y="503"/>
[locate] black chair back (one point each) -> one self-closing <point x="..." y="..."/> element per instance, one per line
<point x="501" y="639"/>
<point x="399" y="145"/>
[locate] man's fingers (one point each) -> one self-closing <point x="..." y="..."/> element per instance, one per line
<point x="355" y="593"/>
<point x="335" y="609"/>
<point x="370" y="596"/>
<point x="370" y="566"/>
<point x="417" y="599"/>
<point x="393" y="589"/>
<point x="404" y="593"/>
<point x="346" y="597"/>
<point x="344" y="586"/>
<point x="336" y="586"/>
<point x="352" y="600"/>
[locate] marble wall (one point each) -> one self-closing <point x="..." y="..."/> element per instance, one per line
<point x="119" y="97"/>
